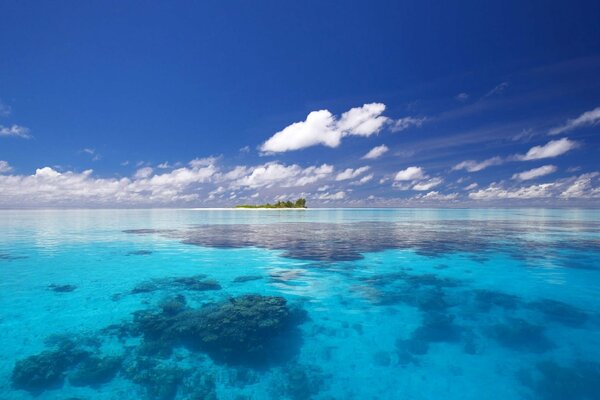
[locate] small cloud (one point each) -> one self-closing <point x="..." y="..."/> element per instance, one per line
<point x="332" y="196"/>
<point x="164" y="165"/>
<point x="437" y="196"/>
<point x="428" y="184"/>
<point x="535" y="173"/>
<point x="5" y="109"/>
<point x="376" y="152"/>
<point x="462" y="96"/>
<point x="471" y="186"/>
<point x="125" y="163"/>
<point x="15" y="131"/>
<point x="588" y="118"/>
<point x="350" y="173"/>
<point x="5" y="167"/>
<point x="553" y="148"/>
<point x="363" y="180"/>
<point x="475" y="166"/>
<point x="323" y="188"/>
<point x="402" y="124"/>
<point x="143" y="173"/>
<point x="410" y="174"/>
<point x="91" y="152"/>
<point x="497" y="90"/>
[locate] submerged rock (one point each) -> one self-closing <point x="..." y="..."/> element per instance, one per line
<point x="139" y="253"/>
<point x="192" y="283"/>
<point x="301" y="382"/>
<point x="61" y="288"/>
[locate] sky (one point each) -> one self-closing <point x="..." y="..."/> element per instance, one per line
<point x="345" y="103"/>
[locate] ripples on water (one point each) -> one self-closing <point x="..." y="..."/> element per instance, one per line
<point x="365" y="304"/>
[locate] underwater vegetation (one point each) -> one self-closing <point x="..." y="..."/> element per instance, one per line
<point x="192" y="283"/>
<point x="552" y="381"/>
<point x="251" y="330"/>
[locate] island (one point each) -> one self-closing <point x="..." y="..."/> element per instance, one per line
<point x="300" y="203"/>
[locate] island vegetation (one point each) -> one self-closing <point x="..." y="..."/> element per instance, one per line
<point x="300" y="203"/>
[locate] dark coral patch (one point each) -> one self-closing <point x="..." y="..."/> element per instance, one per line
<point x="560" y="312"/>
<point x="191" y="283"/>
<point x="518" y="334"/>
<point x="250" y="329"/>
<point x="140" y="253"/>
<point x="247" y="278"/>
<point x="95" y="371"/>
<point x="551" y="381"/>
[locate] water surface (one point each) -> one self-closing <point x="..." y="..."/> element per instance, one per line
<point x="299" y="304"/>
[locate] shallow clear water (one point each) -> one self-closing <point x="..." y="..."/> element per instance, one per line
<point x="380" y="304"/>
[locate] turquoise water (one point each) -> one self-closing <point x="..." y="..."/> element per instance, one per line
<point x="379" y="304"/>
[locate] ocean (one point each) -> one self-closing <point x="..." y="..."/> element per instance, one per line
<point x="300" y="304"/>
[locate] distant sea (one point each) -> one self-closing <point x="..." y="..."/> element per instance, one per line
<point x="300" y="304"/>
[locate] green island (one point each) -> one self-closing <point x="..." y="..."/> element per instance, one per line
<point x="300" y="203"/>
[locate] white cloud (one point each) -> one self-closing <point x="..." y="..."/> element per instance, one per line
<point x="437" y="196"/>
<point x="350" y="173"/>
<point x="551" y="149"/>
<point x="376" y="152"/>
<point x="474" y="166"/>
<point x="428" y="184"/>
<point x="142" y="173"/>
<point x="4" y="167"/>
<point x="402" y="124"/>
<point x="323" y="188"/>
<point x="322" y="128"/>
<point x="293" y="175"/>
<point x="332" y="196"/>
<point x="584" y="186"/>
<point x="363" y="180"/>
<point x="410" y="174"/>
<point x="495" y="192"/>
<point x="588" y="118"/>
<point x="362" y="121"/>
<point x="534" y="173"/>
<point x="15" y="130"/>
<point x="471" y="186"/>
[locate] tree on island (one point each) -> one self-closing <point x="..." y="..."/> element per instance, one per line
<point x="300" y="203"/>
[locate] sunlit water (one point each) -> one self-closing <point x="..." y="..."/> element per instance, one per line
<point x="380" y="304"/>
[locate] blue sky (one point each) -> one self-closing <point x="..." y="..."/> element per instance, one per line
<point x="379" y="103"/>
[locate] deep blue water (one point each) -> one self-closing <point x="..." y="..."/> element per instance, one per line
<point x="323" y="304"/>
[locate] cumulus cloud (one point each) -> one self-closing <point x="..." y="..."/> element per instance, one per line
<point x="15" y="131"/>
<point x="350" y="173"/>
<point x="553" y="148"/>
<point x="293" y="175"/>
<point x="584" y="186"/>
<point x="437" y="196"/>
<point x="496" y="192"/>
<point x="428" y="184"/>
<point x="474" y="166"/>
<point x="588" y="118"/>
<point x="4" y="167"/>
<point x="363" y="180"/>
<point x="410" y="174"/>
<point x="535" y="173"/>
<point x="143" y="173"/>
<point x="376" y="152"/>
<point x="323" y="128"/>
<point x="471" y="186"/>
<point x="332" y="196"/>
<point x="402" y="124"/>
